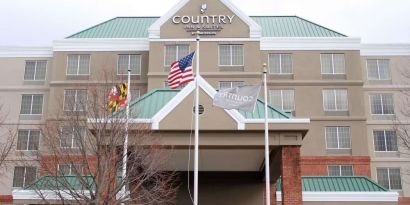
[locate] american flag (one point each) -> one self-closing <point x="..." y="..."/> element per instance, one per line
<point x="181" y="72"/>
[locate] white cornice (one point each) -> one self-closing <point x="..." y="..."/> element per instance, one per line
<point x="347" y="196"/>
<point x="102" y="44"/>
<point x="25" y="51"/>
<point x="311" y="43"/>
<point x="385" y="50"/>
<point x="255" y="30"/>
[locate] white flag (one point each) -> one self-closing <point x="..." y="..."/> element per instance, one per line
<point x="241" y="98"/>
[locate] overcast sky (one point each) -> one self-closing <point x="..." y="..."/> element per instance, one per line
<point x="39" y="22"/>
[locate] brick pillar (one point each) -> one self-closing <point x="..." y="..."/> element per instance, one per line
<point x="291" y="175"/>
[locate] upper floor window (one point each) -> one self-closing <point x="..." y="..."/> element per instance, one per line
<point x="31" y="104"/>
<point x="340" y="170"/>
<point x="28" y="140"/>
<point x="283" y="99"/>
<point x="280" y="64"/>
<point x="389" y="178"/>
<point x="229" y="84"/>
<point x="338" y="137"/>
<point x="132" y="62"/>
<point x="75" y="100"/>
<point x="174" y="53"/>
<point x="231" y="55"/>
<point x="24" y="176"/>
<point x="332" y="63"/>
<point x="78" y="64"/>
<point x="35" y="70"/>
<point x="385" y="141"/>
<point x="71" y="136"/>
<point x="378" y="69"/>
<point x="382" y="104"/>
<point x="70" y="169"/>
<point x="335" y="100"/>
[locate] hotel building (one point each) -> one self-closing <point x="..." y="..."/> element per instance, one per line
<point x="334" y="103"/>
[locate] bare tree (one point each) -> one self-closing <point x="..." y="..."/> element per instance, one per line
<point x="7" y="140"/>
<point x="82" y="156"/>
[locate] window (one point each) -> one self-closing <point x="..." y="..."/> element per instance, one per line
<point x="24" y="176"/>
<point x="378" y="69"/>
<point x="31" y="104"/>
<point x="338" y="137"/>
<point x="335" y="100"/>
<point x="71" y="136"/>
<point x="78" y="64"/>
<point x="175" y="52"/>
<point x="280" y="64"/>
<point x="35" y="70"/>
<point x="283" y="99"/>
<point x="389" y="178"/>
<point x="231" y="55"/>
<point x="332" y="63"/>
<point x="382" y="104"/>
<point x="229" y="84"/>
<point x="132" y="62"/>
<point x="75" y="100"/>
<point x="385" y="141"/>
<point x="28" y="140"/>
<point x="340" y="170"/>
<point x="70" y="169"/>
<point x="135" y="94"/>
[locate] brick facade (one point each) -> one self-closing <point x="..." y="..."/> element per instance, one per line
<point x="404" y="201"/>
<point x="6" y="199"/>
<point x="317" y="166"/>
<point x="291" y="175"/>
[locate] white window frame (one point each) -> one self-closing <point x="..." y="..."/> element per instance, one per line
<point x="338" y="138"/>
<point x="78" y="65"/>
<point x="280" y="64"/>
<point x="31" y="105"/>
<point x="385" y="141"/>
<point x="335" y="98"/>
<point x="28" y="140"/>
<point x="75" y="100"/>
<point x="136" y="90"/>
<point x="281" y="99"/>
<point x="73" y="142"/>
<point x="176" y="52"/>
<point x="333" y="64"/>
<point x="71" y="168"/>
<point x="129" y="63"/>
<point x="381" y="99"/>
<point x="35" y="70"/>
<point x="24" y="178"/>
<point x="378" y="69"/>
<point x="231" y="59"/>
<point x="340" y="169"/>
<point x="231" y="82"/>
<point x="388" y="177"/>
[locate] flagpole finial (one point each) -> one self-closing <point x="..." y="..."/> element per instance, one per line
<point x="264" y="65"/>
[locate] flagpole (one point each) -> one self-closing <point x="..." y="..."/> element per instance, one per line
<point x="267" y="162"/>
<point x="125" y="149"/>
<point x="196" y="122"/>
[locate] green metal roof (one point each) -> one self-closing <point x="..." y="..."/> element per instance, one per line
<point x="62" y="182"/>
<point x="272" y="26"/>
<point x="259" y="112"/>
<point x="337" y="184"/>
<point x="149" y="104"/>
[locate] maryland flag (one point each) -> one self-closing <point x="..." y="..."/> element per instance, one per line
<point x="117" y="98"/>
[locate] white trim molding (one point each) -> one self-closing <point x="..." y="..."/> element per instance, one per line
<point x="385" y="50"/>
<point x="102" y="44"/>
<point x="205" y="39"/>
<point x="19" y="194"/>
<point x="255" y="31"/>
<point x="347" y="196"/>
<point x="310" y="43"/>
<point x="25" y="52"/>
